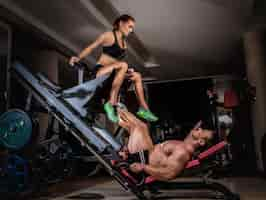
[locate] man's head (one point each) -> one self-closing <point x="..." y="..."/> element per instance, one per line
<point x="201" y="136"/>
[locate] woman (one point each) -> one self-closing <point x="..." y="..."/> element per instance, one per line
<point x="114" y="50"/>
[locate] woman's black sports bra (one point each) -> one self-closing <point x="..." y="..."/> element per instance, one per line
<point x="115" y="50"/>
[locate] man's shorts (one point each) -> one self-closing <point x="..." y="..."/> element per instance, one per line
<point x="139" y="157"/>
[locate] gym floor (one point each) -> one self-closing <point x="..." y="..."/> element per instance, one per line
<point x="249" y="188"/>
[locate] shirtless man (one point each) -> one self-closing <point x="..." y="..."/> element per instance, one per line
<point x="166" y="160"/>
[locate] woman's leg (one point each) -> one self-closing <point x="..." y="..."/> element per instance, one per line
<point x="121" y="69"/>
<point x="136" y="78"/>
<point x="144" y="111"/>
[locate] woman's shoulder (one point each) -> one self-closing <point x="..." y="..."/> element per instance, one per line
<point x="108" y="34"/>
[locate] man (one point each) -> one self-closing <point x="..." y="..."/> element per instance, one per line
<point x="166" y="160"/>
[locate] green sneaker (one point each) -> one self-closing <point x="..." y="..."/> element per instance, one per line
<point x="147" y="114"/>
<point x="109" y="109"/>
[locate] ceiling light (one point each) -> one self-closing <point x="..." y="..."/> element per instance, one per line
<point x="151" y="64"/>
<point x="149" y="78"/>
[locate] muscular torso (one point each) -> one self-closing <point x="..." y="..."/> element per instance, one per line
<point x="170" y="153"/>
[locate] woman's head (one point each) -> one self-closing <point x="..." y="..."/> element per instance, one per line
<point x="125" y="24"/>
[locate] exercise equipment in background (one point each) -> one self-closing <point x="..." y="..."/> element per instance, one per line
<point x="14" y="175"/>
<point x="15" y="129"/>
<point x="98" y="141"/>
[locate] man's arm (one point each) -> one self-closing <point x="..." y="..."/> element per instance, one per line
<point x="159" y="172"/>
<point x="163" y="173"/>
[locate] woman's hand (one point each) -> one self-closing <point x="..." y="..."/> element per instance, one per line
<point x="74" y="60"/>
<point x="129" y="73"/>
<point x="130" y="70"/>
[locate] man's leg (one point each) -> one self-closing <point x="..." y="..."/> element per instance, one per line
<point x="128" y="120"/>
<point x="139" y="137"/>
<point x="144" y="111"/>
<point x="121" y="69"/>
